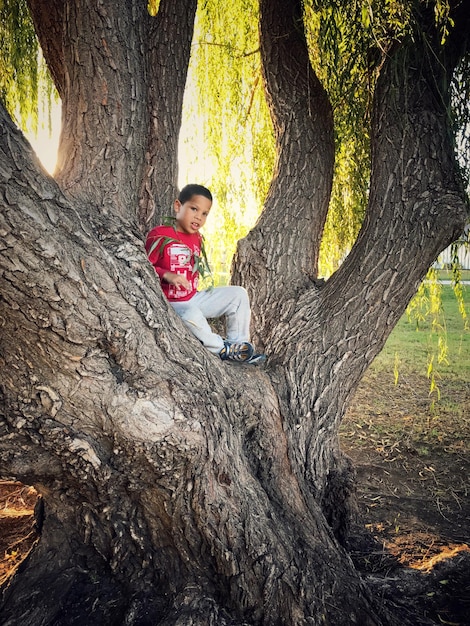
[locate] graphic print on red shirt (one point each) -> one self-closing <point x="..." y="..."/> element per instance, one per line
<point x="181" y="263"/>
<point x="174" y="252"/>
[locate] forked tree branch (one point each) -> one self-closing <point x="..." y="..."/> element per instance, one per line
<point x="168" y="44"/>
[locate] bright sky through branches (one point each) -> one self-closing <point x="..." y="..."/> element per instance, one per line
<point x="45" y="142"/>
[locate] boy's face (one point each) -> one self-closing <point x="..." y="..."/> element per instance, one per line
<point x="192" y="215"/>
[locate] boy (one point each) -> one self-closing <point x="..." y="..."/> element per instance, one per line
<point x="177" y="254"/>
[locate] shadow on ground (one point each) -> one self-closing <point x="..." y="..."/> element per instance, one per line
<point x="413" y="463"/>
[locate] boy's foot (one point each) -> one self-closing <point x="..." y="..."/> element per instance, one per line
<point x="241" y="352"/>
<point x="256" y="359"/>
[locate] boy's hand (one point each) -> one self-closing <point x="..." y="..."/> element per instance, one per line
<point x="180" y="282"/>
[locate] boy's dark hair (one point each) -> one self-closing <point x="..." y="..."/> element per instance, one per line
<point x="189" y="191"/>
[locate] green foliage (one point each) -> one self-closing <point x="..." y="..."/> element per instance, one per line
<point x="443" y="19"/>
<point x="152" y="6"/>
<point x="338" y="53"/>
<point x="19" y="61"/>
<point x="429" y="311"/>
<point x="26" y="87"/>
<point x="227" y="137"/>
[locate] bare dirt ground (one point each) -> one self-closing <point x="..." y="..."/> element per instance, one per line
<point x="413" y="467"/>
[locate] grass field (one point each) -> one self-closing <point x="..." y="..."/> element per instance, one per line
<point x="413" y="341"/>
<point x="418" y="387"/>
<point x="428" y="343"/>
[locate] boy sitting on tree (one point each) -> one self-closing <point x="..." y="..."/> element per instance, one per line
<point x="177" y="254"/>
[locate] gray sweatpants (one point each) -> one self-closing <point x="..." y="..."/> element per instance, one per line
<point x="231" y="301"/>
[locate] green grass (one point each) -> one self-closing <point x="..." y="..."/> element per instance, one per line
<point x="402" y="405"/>
<point x="412" y="344"/>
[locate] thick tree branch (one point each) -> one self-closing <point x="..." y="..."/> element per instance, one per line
<point x="103" y="104"/>
<point x="169" y="40"/>
<point x="48" y="19"/>
<point x="286" y="239"/>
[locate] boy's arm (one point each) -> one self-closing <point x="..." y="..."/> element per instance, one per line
<point x="155" y="246"/>
<point x="176" y="279"/>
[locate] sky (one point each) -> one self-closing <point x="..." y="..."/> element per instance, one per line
<point x="46" y="141"/>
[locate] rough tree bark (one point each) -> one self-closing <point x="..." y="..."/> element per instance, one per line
<point x="330" y="333"/>
<point x="177" y="489"/>
<point x="121" y="75"/>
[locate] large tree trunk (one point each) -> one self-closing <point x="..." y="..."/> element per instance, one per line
<point x="164" y="473"/>
<point x="177" y="489"/>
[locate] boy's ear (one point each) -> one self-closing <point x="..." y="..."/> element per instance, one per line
<point x="177" y="206"/>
